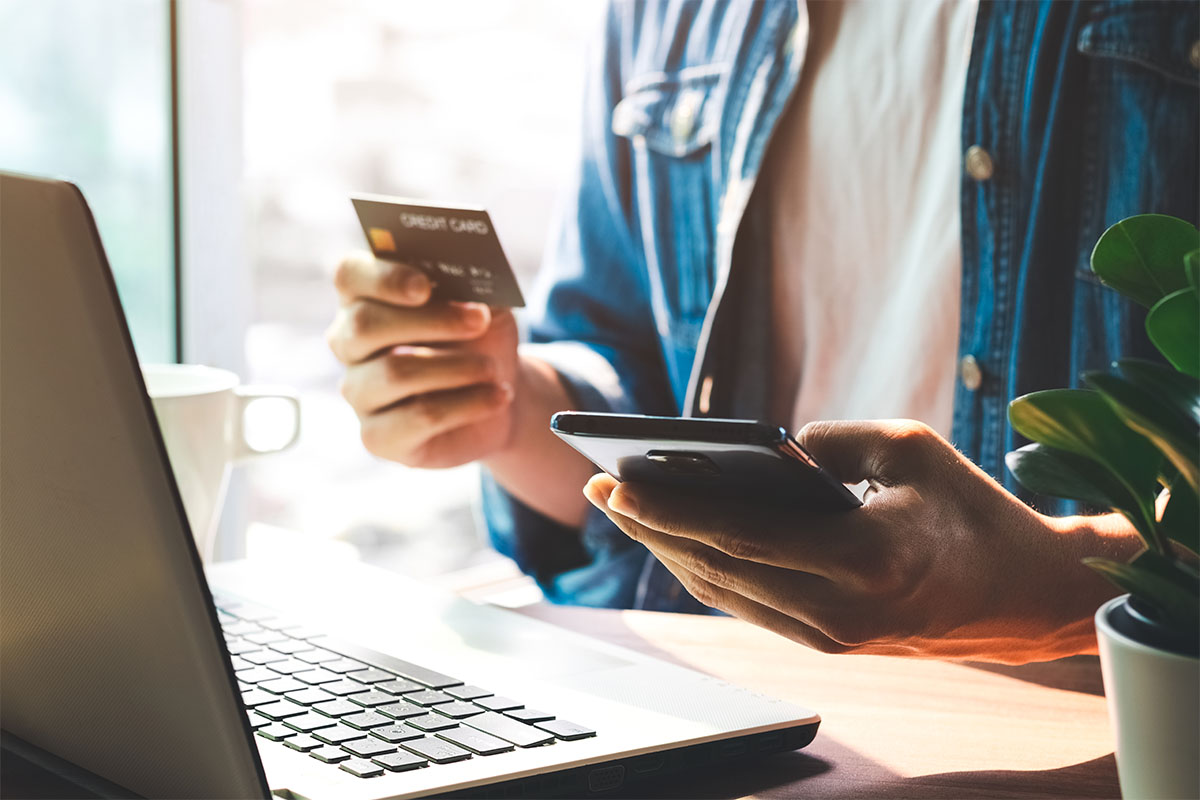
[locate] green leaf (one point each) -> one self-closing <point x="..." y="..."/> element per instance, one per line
<point x="1181" y="520"/>
<point x="1147" y="412"/>
<point x="1173" y="324"/>
<point x="1082" y="422"/>
<point x="1191" y="266"/>
<point x="1181" y="391"/>
<point x="1059" y="473"/>
<point x="1173" y="595"/>
<point x="1142" y="256"/>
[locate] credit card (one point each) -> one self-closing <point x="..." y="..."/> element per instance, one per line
<point x="455" y="246"/>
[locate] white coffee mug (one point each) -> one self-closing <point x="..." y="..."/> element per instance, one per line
<point x="201" y="413"/>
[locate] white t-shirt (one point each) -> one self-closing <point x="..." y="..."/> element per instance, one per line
<point x="864" y="193"/>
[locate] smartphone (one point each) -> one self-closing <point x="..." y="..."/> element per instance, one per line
<point x="734" y="458"/>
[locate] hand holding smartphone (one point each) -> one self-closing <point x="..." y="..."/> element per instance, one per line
<point x="738" y="459"/>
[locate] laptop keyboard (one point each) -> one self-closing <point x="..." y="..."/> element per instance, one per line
<point x="366" y="712"/>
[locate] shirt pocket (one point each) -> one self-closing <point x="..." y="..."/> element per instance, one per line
<point x="1140" y="115"/>
<point x="672" y="121"/>
<point x="1161" y="37"/>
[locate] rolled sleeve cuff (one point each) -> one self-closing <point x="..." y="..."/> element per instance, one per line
<point x="588" y="375"/>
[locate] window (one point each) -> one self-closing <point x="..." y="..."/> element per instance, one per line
<point x="85" y="94"/>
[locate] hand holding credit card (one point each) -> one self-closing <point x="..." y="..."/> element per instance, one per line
<point x="455" y="246"/>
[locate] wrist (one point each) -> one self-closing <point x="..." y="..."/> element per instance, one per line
<point x="1108" y="536"/>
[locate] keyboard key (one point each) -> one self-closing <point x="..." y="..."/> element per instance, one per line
<point x="510" y="730"/>
<point x="302" y="632"/>
<point x="317" y="656"/>
<point x="256" y="675"/>
<point x="429" y="697"/>
<point x="303" y="742"/>
<point x="249" y="611"/>
<point x="361" y="767"/>
<point x="371" y="675"/>
<point x="567" y="731"/>
<point x="276" y="623"/>
<point x="244" y="687"/>
<point x="431" y="722"/>
<point x="238" y="663"/>
<point x="337" y="708"/>
<point x="257" y="697"/>
<point x="264" y="637"/>
<point x="310" y="722"/>
<point x="275" y="732"/>
<point x="477" y="742"/>
<point x="458" y="709"/>
<point x="262" y="656"/>
<point x="528" y="715"/>
<point x="367" y="746"/>
<point x="405" y="669"/>
<point x="337" y="734"/>
<point x="498" y="703"/>
<point x="400" y="761"/>
<point x="365" y="720"/>
<point x="372" y="699"/>
<point x="396" y="733"/>
<point x="281" y="685"/>
<point x="402" y="710"/>
<point x="467" y="692"/>
<point x="291" y="646"/>
<point x="436" y="750"/>
<point x="290" y="666"/>
<point x="309" y="696"/>
<point x="257" y="721"/>
<point x="241" y="628"/>
<point x="344" y="687"/>
<point x="281" y="710"/>
<point x="344" y="665"/>
<point x="330" y="754"/>
<point x="399" y="686"/>
<point x="236" y="646"/>
<point x="316" y="677"/>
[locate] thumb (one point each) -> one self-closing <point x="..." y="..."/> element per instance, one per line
<point x="851" y="451"/>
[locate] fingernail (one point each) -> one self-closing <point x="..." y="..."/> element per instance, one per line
<point x="620" y="502"/>
<point x="416" y="284"/>
<point x="475" y="315"/>
<point x="507" y="390"/>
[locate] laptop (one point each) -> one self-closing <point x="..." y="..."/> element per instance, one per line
<point x="123" y="656"/>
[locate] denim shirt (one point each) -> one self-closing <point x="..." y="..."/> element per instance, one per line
<point x="652" y="299"/>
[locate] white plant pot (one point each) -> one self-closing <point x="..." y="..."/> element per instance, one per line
<point x="1154" y="707"/>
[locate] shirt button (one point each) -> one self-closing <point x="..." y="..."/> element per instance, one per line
<point x="970" y="373"/>
<point x="979" y="163"/>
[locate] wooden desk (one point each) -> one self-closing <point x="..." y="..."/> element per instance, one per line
<point x="890" y="727"/>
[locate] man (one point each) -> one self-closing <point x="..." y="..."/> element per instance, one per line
<point x="805" y="211"/>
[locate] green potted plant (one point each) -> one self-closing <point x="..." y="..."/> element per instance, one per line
<point x="1130" y="442"/>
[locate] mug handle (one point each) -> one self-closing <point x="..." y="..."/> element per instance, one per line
<point x="247" y="395"/>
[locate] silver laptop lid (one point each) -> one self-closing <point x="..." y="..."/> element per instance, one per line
<point x="109" y="648"/>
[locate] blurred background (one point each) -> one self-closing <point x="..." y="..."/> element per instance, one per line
<point x="217" y="142"/>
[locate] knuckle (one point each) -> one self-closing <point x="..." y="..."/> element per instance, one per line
<point x="400" y="368"/>
<point x="427" y="413"/>
<point x="343" y="275"/>
<point x="736" y="545"/>
<point x="361" y="317"/>
<point x="373" y="438"/>
<point x="393" y="278"/>
<point x="707" y="565"/>
<point x="703" y="591"/>
<point x="909" y="437"/>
